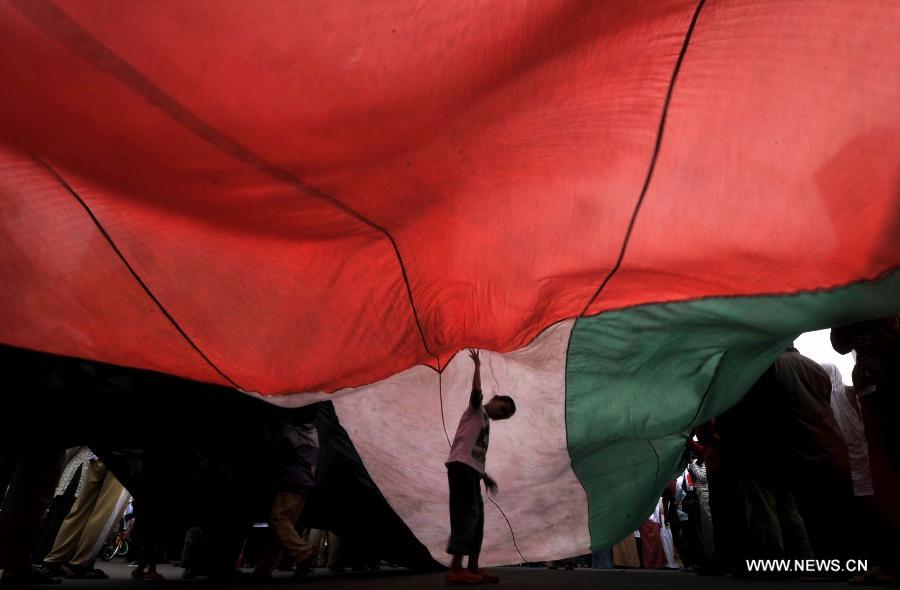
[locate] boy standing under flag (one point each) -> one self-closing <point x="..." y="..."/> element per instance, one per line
<point x="465" y="470"/>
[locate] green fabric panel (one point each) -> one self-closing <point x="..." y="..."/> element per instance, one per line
<point x="637" y="381"/>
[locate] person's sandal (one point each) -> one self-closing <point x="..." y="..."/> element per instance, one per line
<point x="153" y="576"/>
<point x="54" y="570"/>
<point x="463" y="578"/>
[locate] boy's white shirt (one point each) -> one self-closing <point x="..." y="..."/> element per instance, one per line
<point x="469" y="444"/>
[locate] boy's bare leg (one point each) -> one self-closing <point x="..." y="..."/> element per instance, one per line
<point x="473" y="563"/>
<point x="456" y="564"/>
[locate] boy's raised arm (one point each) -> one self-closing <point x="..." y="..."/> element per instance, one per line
<point x="476" y="397"/>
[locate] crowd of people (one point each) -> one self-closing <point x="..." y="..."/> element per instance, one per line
<point x="802" y="468"/>
<point x="44" y="540"/>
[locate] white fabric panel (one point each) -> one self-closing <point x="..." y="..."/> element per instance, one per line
<point x="396" y="427"/>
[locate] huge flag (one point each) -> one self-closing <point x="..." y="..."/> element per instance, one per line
<point x="632" y="206"/>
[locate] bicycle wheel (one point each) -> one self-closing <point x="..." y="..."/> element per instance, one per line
<point x="107" y="552"/>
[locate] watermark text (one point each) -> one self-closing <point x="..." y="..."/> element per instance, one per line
<point x="801" y="566"/>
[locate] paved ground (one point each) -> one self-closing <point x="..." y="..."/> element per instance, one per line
<point x="512" y="578"/>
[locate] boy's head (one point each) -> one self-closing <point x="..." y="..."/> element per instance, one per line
<point x="500" y="407"/>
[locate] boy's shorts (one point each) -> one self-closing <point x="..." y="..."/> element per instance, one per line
<point x="466" y="510"/>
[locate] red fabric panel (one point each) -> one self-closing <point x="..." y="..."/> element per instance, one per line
<point x="257" y="168"/>
<point x="780" y="164"/>
<point x="63" y="289"/>
<point x="276" y="288"/>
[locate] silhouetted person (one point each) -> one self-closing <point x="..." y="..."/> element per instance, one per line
<point x="815" y="453"/>
<point x="299" y="453"/>
<point x="771" y="437"/>
<point x="876" y="381"/>
<point x="34" y="476"/>
<point x="87" y="525"/>
<point x="465" y="470"/>
<point x="69" y="487"/>
<point x="153" y="508"/>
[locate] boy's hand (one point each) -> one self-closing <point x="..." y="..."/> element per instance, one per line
<point x="476" y="397"/>
<point x="490" y="484"/>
